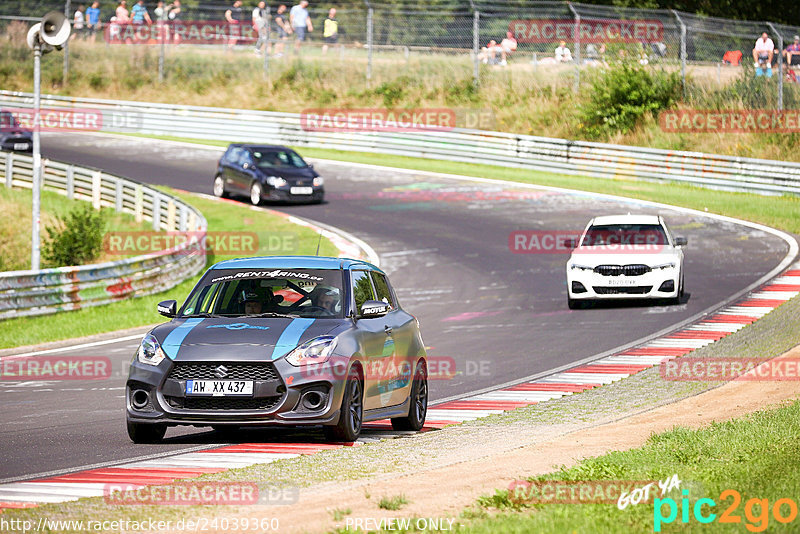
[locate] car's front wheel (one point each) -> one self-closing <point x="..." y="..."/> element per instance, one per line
<point x="256" y="193"/>
<point x="146" y="432"/>
<point x="219" y="187"/>
<point x="419" y="402"/>
<point x="349" y="426"/>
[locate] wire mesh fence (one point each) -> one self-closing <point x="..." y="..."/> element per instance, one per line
<point x="503" y="45"/>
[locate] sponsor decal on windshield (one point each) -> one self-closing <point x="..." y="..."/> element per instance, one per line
<point x="277" y="273"/>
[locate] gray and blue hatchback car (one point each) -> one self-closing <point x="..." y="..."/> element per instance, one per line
<point x="291" y="340"/>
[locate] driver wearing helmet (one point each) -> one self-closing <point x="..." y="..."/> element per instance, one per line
<point x="255" y="303"/>
<point x="326" y="298"/>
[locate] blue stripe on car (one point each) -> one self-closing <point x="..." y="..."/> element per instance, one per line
<point x="290" y="336"/>
<point x="172" y="343"/>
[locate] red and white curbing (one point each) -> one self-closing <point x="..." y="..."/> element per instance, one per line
<point x="92" y="483"/>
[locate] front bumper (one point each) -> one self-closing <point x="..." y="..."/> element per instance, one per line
<point x="662" y="283"/>
<point x="284" y="194"/>
<point x="277" y="396"/>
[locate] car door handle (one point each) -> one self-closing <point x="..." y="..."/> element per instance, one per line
<point x="388" y="329"/>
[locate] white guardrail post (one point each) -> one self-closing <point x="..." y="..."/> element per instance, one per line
<point x="27" y="293"/>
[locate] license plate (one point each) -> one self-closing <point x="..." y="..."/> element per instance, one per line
<point x="621" y="282"/>
<point x="219" y="388"/>
<point x="301" y="190"/>
<point x="21" y="146"/>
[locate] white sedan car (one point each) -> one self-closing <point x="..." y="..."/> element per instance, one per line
<point x="626" y="257"/>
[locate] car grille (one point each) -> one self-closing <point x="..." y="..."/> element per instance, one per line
<point x="622" y="270"/>
<point x="223" y="403"/>
<point x="235" y="371"/>
<point x="631" y="290"/>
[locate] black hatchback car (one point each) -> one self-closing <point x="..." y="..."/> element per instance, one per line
<point x="12" y="135"/>
<point x="267" y="172"/>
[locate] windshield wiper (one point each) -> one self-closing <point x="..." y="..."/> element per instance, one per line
<point x="204" y="314"/>
<point x="273" y="314"/>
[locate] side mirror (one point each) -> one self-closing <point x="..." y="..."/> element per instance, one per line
<point x="681" y="241"/>
<point x="167" y="308"/>
<point x="374" y="308"/>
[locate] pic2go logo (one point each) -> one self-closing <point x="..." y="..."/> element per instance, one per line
<point x="756" y="511"/>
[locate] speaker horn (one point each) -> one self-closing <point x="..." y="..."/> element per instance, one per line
<point x="55" y="29"/>
<point x="33" y="39"/>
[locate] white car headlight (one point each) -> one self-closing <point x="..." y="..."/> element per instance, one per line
<point x="318" y="181"/>
<point x="579" y="267"/>
<point x="313" y="351"/>
<point x="670" y="265"/>
<point x="150" y="351"/>
<point x="276" y="181"/>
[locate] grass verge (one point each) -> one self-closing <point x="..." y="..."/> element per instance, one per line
<point x="222" y="217"/>
<point x="781" y="212"/>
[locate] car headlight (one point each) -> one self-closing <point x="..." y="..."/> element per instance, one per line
<point x="276" y="181"/>
<point x="318" y="181"/>
<point x="670" y="265"/>
<point x="150" y="351"/>
<point x="313" y="351"/>
<point x="579" y="267"/>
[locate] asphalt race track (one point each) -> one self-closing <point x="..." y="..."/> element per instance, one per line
<point x="500" y="316"/>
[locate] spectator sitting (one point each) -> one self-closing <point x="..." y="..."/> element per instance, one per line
<point x="792" y="52"/>
<point x="732" y="57"/>
<point x="507" y="47"/>
<point x="489" y="53"/>
<point x="563" y="55"/>
<point x="762" y="55"/>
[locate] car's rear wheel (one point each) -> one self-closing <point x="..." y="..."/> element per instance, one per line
<point x="256" y="193"/>
<point x="219" y="187"/>
<point x="146" y="432"/>
<point x="419" y="402"/>
<point x="350" y="416"/>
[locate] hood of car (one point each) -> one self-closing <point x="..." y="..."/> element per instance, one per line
<point x="289" y="172"/>
<point x="239" y="338"/>
<point x="650" y="255"/>
<point x="16" y="132"/>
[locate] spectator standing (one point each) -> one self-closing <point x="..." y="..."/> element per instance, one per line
<point x="260" y="21"/>
<point x="234" y="16"/>
<point x="563" y="55"/>
<point x="330" y="30"/>
<point x="284" y="29"/>
<point x="175" y="11"/>
<point x="121" y="13"/>
<point x="93" y="20"/>
<point x="762" y="55"/>
<point x="792" y="52"/>
<point x="139" y="14"/>
<point x="160" y="12"/>
<point x="300" y="22"/>
<point x="78" y="21"/>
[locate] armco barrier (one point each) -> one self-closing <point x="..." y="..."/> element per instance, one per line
<point x="474" y="146"/>
<point x="24" y="293"/>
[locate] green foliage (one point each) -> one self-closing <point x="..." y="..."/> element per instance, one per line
<point x="75" y="239"/>
<point x="392" y="92"/>
<point x="392" y="503"/>
<point x="619" y="97"/>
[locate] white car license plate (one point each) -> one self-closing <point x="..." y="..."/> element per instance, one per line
<point x="301" y="190"/>
<point x="621" y="282"/>
<point x="21" y="146"/>
<point x="219" y="388"/>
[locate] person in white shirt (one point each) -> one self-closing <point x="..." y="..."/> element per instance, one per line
<point x="77" y="22"/>
<point x="507" y="47"/>
<point x="260" y="21"/>
<point x="563" y="55"/>
<point x="763" y="51"/>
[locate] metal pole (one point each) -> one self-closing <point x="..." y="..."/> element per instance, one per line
<point x="162" y="31"/>
<point x="267" y="46"/>
<point x="780" y="65"/>
<point x="577" y="47"/>
<point x="683" y="51"/>
<point x="37" y="156"/>
<point x="369" y="44"/>
<point x="65" y="73"/>
<point x="476" y="25"/>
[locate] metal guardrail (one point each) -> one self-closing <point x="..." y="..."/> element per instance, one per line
<point x="26" y="293"/>
<point x="473" y="146"/>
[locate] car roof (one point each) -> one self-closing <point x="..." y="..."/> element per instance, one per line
<point x="294" y="262"/>
<point x="626" y="219"/>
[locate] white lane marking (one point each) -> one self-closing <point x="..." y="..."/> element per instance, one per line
<point x="774" y="295"/>
<point x="679" y="343"/>
<point x="521" y="396"/>
<point x="435" y="414"/>
<point x="75" y="489"/>
<point x="750" y="311"/>
<point x="716" y="327"/>
<point x="18" y="496"/>
<point x="73" y="347"/>
<point x="584" y="378"/>
<point x="408" y="252"/>
<point x="633" y="360"/>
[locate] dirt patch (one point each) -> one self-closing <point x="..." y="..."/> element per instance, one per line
<point x="445" y="491"/>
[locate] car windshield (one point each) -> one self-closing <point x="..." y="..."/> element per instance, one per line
<point x="624" y="234"/>
<point x="267" y="293"/>
<point x="278" y="158"/>
<point x="7" y="120"/>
